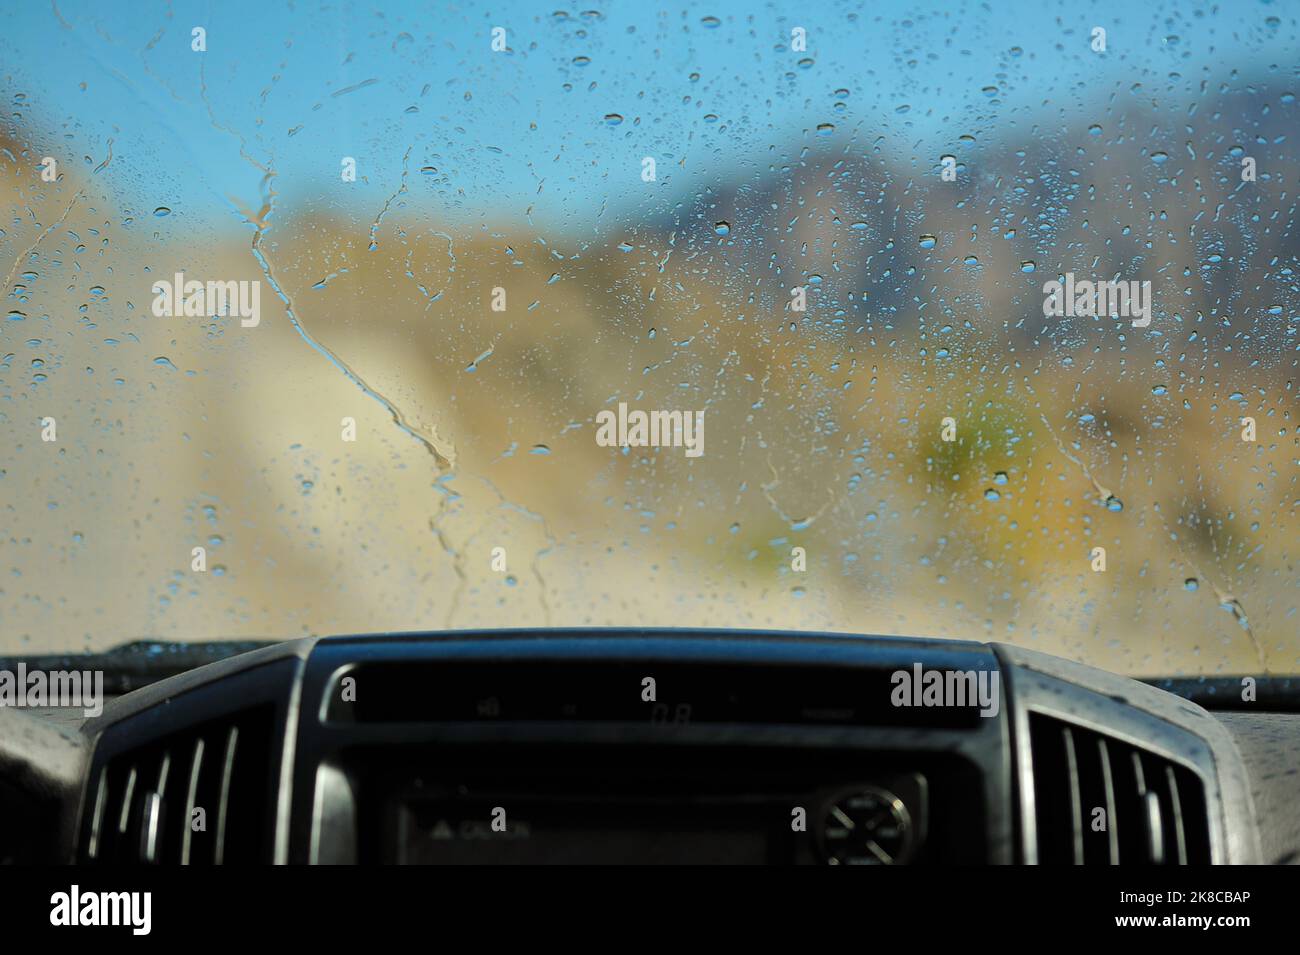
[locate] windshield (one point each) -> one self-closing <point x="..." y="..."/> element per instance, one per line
<point x="963" y="320"/>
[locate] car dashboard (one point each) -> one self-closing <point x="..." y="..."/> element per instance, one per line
<point x="649" y="746"/>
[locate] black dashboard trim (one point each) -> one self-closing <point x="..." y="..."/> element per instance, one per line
<point x="297" y="674"/>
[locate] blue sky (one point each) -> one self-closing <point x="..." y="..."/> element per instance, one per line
<point x="492" y="135"/>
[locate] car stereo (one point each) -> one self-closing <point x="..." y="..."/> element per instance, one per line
<point x="598" y="808"/>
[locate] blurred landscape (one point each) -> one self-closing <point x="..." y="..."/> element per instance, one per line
<point x="475" y="427"/>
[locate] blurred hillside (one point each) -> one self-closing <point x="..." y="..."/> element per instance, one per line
<point x="822" y="427"/>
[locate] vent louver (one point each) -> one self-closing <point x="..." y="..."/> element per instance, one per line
<point x="196" y="797"/>
<point x="1153" y="809"/>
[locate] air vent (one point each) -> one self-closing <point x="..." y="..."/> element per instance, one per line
<point x="1100" y="801"/>
<point x="195" y="797"/>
